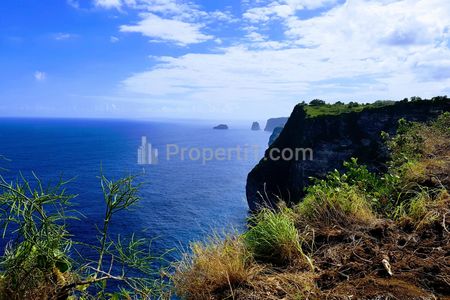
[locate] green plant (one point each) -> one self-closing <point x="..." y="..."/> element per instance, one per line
<point x="133" y="255"/>
<point x="273" y="237"/>
<point x="36" y="260"/>
<point x="379" y="191"/>
<point x="330" y="205"/>
<point x="39" y="261"/>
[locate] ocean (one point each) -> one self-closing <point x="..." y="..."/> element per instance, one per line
<point x="184" y="198"/>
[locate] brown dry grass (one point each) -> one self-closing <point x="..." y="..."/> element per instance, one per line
<point x="214" y="267"/>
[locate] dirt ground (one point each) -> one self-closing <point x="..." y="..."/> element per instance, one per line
<point x="350" y="263"/>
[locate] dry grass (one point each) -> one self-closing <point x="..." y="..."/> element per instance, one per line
<point x="287" y="285"/>
<point x="48" y="288"/>
<point x="214" y="267"/>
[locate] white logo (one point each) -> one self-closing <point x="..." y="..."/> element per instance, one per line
<point x="146" y="154"/>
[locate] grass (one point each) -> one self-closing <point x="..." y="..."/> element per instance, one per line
<point x="273" y="237"/>
<point x="426" y="207"/>
<point x="335" y="205"/>
<point x="215" y="266"/>
<point x="339" y="108"/>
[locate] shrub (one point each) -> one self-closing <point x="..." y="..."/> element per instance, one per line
<point x="426" y="207"/>
<point x="38" y="262"/>
<point x="329" y="205"/>
<point x="379" y="191"/>
<point x="316" y="102"/>
<point x="214" y="266"/>
<point x="272" y="237"/>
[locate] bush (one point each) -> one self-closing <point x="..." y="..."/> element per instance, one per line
<point x="38" y="262"/>
<point x="328" y="205"/>
<point x="317" y="102"/>
<point x="272" y="237"/>
<point x="425" y="207"/>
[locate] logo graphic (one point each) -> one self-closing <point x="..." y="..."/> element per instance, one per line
<point x="146" y="154"/>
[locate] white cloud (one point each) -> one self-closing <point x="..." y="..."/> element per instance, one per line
<point x="283" y="9"/>
<point x="73" y="3"/>
<point x="61" y="36"/>
<point x="178" y="21"/>
<point x="40" y="76"/>
<point x="113" y="39"/>
<point x="180" y="32"/>
<point x="256" y="37"/>
<point x="361" y="50"/>
<point x="108" y="3"/>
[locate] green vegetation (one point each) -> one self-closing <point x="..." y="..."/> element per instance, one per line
<point x="353" y="229"/>
<point x="41" y="260"/>
<point x="346" y="230"/>
<point x="318" y="107"/>
<point x="273" y="237"/>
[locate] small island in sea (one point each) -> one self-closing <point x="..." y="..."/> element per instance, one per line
<point x="255" y="126"/>
<point x="221" y="127"/>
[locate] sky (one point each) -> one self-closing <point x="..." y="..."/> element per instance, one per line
<point x="211" y="59"/>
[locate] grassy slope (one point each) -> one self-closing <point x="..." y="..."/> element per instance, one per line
<point x="336" y="109"/>
<point x="351" y="231"/>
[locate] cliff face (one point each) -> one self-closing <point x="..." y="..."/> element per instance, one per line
<point x="333" y="139"/>
<point x="275" y="134"/>
<point x="274" y="123"/>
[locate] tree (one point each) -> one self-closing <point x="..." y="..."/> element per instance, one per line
<point x="317" y="102"/>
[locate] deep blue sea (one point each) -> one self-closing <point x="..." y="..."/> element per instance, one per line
<point x="182" y="200"/>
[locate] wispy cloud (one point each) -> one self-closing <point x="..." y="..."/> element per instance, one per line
<point x="176" y="31"/>
<point x="283" y="9"/>
<point x="108" y="3"/>
<point x="40" y="76"/>
<point x="62" y="36"/>
<point x="172" y="21"/>
<point x="73" y="3"/>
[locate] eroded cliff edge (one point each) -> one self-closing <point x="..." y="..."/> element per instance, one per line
<point x="333" y="139"/>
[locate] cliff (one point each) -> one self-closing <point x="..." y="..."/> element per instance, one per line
<point x="273" y="123"/>
<point x="333" y="140"/>
<point x="275" y="134"/>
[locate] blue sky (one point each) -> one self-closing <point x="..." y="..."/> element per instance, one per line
<point x="236" y="59"/>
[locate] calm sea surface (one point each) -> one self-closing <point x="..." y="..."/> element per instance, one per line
<point x="181" y="199"/>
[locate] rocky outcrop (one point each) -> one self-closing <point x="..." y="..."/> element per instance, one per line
<point x="333" y="140"/>
<point x="221" y="126"/>
<point x="255" y="126"/>
<point x="274" y="123"/>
